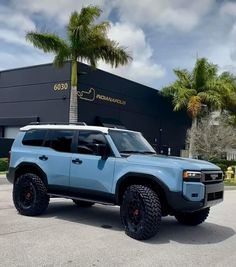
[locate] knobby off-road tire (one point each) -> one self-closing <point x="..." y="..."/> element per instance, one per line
<point x="193" y="218"/>
<point x="83" y="204"/>
<point x="30" y="195"/>
<point x="140" y="212"/>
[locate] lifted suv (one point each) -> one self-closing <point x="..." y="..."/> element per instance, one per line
<point x="91" y="164"/>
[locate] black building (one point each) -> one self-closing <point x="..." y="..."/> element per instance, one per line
<point x="42" y="93"/>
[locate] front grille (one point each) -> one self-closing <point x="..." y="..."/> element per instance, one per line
<point x="212" y="177"/>
<point x="215" y="196"/>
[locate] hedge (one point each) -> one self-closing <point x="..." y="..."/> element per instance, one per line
<point x="3" y="165"/>
<point x="223" y="163"/>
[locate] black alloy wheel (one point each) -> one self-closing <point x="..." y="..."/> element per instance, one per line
<point x="140" y="212"/>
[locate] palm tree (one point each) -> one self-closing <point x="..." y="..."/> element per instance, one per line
<point x="200" y="88"/>
<point x="86" y="41"/>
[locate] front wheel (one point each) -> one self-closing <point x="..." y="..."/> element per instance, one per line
<point x="192" y="218"/>
<point x="140" y="212"/>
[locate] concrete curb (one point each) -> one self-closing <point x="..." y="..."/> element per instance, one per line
<point x="230" y="187"/>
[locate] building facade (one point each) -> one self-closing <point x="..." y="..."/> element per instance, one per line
<point x="42" y="93"/>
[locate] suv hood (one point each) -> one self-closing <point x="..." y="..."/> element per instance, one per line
<point x="166" y="161"/>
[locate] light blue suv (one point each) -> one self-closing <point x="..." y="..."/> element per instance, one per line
<point x="91" y="164"/>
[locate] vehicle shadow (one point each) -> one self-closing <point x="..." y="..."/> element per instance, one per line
<point x="109" y="217"/>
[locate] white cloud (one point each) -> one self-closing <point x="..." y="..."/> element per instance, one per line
<point x="228" y="8"/>
<point x="15" y="21"/>
<point x="14" y="26"/>
<point x="56" y="9"/>
<point x="22" y="59"/>
<point x="182" y="15"/>
<point x="142" y="68"/>
<point x="13" y="37"/>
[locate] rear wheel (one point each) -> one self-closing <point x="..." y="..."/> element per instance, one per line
<point x="192" y="218"/>
<point x="140" y="212"/>
<point x="83" y="204"/>
<point x="30" y="195"/>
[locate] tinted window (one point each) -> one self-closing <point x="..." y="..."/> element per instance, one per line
<point x="60" y="140"/>
<point x="34" y="137"/>
<point x="88" y="140"/>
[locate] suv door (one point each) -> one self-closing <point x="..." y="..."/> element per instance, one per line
<point x="55" y="157"/>
<point x="88" y="170"/>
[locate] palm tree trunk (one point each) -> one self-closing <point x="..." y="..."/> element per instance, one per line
<point x="73" y="112"/>
<point x="191" y="145"/>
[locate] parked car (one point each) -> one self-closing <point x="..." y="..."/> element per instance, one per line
<point x="90" y="164"/>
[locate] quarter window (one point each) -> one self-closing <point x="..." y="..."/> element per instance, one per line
<point x="34" y="138"/>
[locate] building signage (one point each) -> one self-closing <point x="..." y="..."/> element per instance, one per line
<point x="87" y="95"/>
<point x="91" y="95"/>
<point x="60" y="86"/>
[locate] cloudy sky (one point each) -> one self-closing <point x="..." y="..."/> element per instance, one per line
<point x="160" y="34"/>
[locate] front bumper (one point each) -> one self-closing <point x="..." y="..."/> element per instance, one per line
<point x="212" y="195"/>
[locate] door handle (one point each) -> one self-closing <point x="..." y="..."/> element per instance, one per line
<point x="77" y="161"/>
<point x="43" y="157"/>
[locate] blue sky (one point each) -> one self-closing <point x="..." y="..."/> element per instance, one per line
<point x="160" y="34"/>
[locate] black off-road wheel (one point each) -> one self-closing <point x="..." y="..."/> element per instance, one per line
<point x="192" y="218"/>
<point x="83" y="204"/>
<point x="30" y="195"/>
<point x="140" y="212"/>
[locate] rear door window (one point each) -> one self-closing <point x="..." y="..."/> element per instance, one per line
<point x="60" y="140"/>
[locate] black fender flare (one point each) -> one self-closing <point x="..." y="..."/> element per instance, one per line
<point x="32" y="167"/>
<point x="154" y="179"/>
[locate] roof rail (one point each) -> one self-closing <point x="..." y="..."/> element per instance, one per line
<point x="57" y="123"/>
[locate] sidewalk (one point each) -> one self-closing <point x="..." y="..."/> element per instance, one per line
<point x="3" y="180"/>
<point x="230" y="187"/>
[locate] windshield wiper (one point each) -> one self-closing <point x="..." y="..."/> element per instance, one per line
<point x="148" y="152"/>
<point x="136" y="152"/>
<point x="129" y="152"/>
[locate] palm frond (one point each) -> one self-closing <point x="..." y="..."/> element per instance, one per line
<point x="211" y="98"/>
<point x="48" y="42"/>
<point x="169" y="90"/>
<point x="88" y="15"/>
<point x="61" y="57"/>
<point x="101" y="28"/>
<point x="203" y="72"/>
<point x="113" y="54"/>
<point x="182" y="97"/>
<point x="184" y="77"/>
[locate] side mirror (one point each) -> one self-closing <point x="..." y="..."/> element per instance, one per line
<point x="102" y="150"/>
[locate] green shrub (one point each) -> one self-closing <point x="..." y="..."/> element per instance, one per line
<point x="222" y="166"/>
<point x="3" y="165"/>
<point x="228" y="163"/>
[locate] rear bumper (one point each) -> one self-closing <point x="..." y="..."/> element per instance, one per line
<point x="213" y="194"/>
<point x="11" y="175"/>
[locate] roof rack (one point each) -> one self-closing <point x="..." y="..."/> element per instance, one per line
<point x="58" y="123"/>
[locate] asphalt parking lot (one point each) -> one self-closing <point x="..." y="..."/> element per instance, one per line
<point x="69" y="236"/>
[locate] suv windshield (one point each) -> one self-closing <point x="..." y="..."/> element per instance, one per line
<point x="131" y="142"/>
